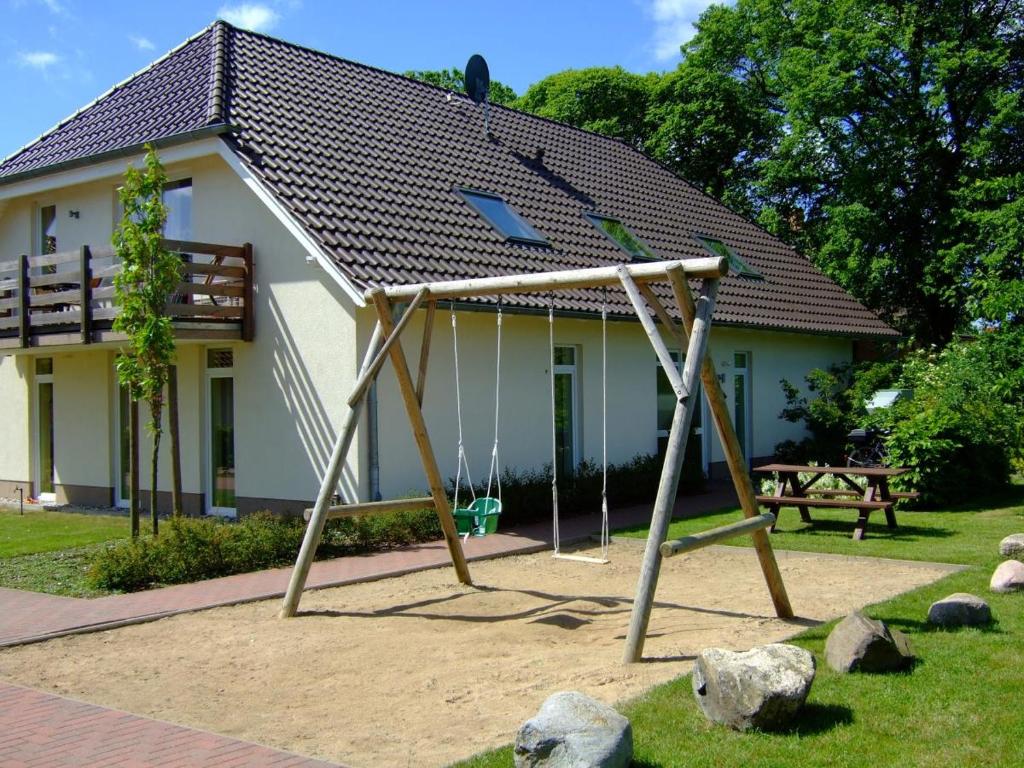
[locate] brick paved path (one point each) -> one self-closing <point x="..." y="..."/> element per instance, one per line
<point x="32" y="616"/>
<point x="40" y="730"/>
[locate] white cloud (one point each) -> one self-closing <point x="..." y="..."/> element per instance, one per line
<point x="142" y="43"/>
<point x="674" y="24"/>
<point x="38" y="59"/>
<point x="258" y="18"/>
<point x="55" y="7"/>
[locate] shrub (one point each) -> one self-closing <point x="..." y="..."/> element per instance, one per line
<point x="124" y="566"/>
<point x="962" y="430"/>
<point x="526" y="494"/>
<point x="839" y="406"/>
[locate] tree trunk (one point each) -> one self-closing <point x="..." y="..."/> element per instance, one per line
<point x="172" y="405"/>
<point x="133" y="462"/>
<point x="154" y="471"/>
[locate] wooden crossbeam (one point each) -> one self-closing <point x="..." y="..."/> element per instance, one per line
<point x="565" y="279"/>
<point x="706" y="538"/>
<point x="375" y="508"/>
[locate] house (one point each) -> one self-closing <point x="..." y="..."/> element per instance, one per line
<point x="297" y="180"/>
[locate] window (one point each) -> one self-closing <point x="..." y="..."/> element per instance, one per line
<point x="45" y="445"/>
<point x="694" y="463"/>
<point x="501" y="216"/>
<point x="566" y="408"/>
<point x="618" y="233"/>
<point x="742" y="402"/>
<point x="178" y="199"/>
<point x="47" y="230"/>
<point x="220" y="393"/>
<point x="737" y="266"/>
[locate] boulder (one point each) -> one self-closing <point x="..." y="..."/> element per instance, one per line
<point x="572" y="730"/>
<point x="860" y="644"/>
<point x="1008" y="577"/>
<point x="960" y="610"/>
<point x="1012" y="545"/>
<point x="760" y="688"/>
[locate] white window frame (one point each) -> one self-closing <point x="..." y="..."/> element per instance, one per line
<point x="119" y="471"/>
<point x="214" y="373"/>
<point x="42" y="378"/>
<point x="748" y="405"/>
<point x="573" y="372"/>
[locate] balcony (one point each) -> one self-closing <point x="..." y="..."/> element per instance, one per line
<point x="68" y="298"/>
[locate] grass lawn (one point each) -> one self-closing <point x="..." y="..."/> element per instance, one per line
<point x="50" y="551"/>
<point x="959" y="706"/>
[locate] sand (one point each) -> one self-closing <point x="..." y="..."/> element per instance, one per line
<point x="419" y="671"/>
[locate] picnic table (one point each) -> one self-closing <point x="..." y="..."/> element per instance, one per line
<point x="875" y="495"/>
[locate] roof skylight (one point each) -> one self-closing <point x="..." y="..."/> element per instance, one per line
<point x="737" y="265"/>
<point x="618" y="233"/>
<point x="502" y="216"/>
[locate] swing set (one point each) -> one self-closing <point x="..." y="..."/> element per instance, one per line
<point x="480" y="516"/>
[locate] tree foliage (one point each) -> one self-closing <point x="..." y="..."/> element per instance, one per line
<point x="882" y="139"/>
<point x="149" y="274"/>
<point x="607" y="100"/>
<point x="455" y="80"/>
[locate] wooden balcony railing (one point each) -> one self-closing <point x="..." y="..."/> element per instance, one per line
<point x="68" y="298"/>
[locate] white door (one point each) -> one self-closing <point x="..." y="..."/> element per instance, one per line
<point x="220" y="433"/>
<point x="666" y="410"/>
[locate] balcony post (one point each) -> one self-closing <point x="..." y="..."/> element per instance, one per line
<point x="85" y="269"/>
<point x="248" y="314"/>
<point x="24" y="323"/>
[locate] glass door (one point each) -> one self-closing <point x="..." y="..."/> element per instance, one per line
<point x="695" y="464"/>
<point x="220" y="396"/>
<point x="566" y="407"/>
<point x="123" y="487"/>
<point x="45" y="475"/>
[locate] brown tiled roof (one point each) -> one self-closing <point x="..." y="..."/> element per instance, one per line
<point x="368" y="162"/>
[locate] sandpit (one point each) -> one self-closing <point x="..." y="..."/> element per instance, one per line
<point x="419" y="671"/>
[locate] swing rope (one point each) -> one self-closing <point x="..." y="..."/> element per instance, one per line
<point x="495" y="471"/>
<point x="462" y="460"/>
<point x="554" y="428"/>
<point x="605" y="533"/>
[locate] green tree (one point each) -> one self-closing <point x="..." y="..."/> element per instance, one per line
<point x="893" y="152"/>
<point x="149" y="274"/>
<point x="455" y="80"/>
<point x="606" y="100"/>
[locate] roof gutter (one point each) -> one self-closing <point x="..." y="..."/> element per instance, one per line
<point x="113" y="154"/>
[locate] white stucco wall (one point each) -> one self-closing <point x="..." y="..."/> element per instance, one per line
<point x="290" y="383"/>
<point x="525" y="427"/>
<point x="15" y="419"/>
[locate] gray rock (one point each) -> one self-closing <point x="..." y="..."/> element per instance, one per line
<point x="960" y="610"/>
<point x="1012" y="545"/>
<point x="572" y="730"/>
<point x="1008" y="577"/>
<point x="760" y="688"/>
<point x="860" y="644"/>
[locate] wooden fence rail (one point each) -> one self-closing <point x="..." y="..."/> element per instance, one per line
<point x="72" y="292"/>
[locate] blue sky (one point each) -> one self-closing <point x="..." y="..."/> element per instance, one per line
<point x="58" y="55"/>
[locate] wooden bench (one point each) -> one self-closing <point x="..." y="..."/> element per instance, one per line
<point x="804" y="503"/>
<point x="858" y="494"/>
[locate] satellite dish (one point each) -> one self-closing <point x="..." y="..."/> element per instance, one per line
<point x="477" y="78"/>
